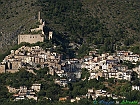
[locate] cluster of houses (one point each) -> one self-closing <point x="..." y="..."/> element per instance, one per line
<point x="69" y="70"/>
<point x="109" y="66"/>
<point x="91" y="93"/>
<point x="35" y="57"/>
<point x="23" y="92"/>
<point x="106" y="65"/>
<point x="27" y="57"/>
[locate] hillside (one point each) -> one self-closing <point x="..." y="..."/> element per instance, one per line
<point x="102" y="24"/>
<point x="105" y="23"/>
<point x="16" y="16"/>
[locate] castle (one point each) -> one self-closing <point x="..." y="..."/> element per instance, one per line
<point x="33" y="38"/>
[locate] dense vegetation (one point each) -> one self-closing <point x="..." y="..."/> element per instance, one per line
<point x="17" y="16"/>
<point x="51" y="90"/>
<point x="103" y="24"/>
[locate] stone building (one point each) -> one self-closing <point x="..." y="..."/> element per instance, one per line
<point x="36" y="87"/>
<point x="2" y="68"/>
<point x="15" y="65"/>
<point x="36" y="34"/>
<point x="31" y="38"/>
<point x="50" y="35"/>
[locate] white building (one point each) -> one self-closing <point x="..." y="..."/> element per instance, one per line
<point x="135" y="87"/>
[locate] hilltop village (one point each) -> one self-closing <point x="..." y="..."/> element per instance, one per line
<point x="69" y="70"/>
<point x="105" y="65"/>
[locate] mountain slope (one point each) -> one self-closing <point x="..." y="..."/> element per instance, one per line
<point x="102" y="24"/>
<point x="105" y="23"/>
<point x="16" y="16"/>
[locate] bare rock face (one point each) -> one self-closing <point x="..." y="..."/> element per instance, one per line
<point x="17" y="16"/>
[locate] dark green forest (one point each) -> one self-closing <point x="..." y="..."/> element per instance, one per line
<point x="51" y="90"/>
<point x="107" y="25"/>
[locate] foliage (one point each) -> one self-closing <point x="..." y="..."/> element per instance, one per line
<point x="89" y="24"/>
<point x="129" y="64"/>
<point x="133" y="95"/>
<point x="122" y="87"/>
<point x="21" y="78"/>
<point x="83" y="50"/>
<point x="85" y="74"/>
<point x="14" y="22"/>
<point x="135" y="80"/>
<point x="135" y="49"/>
<point x="85" y="23"/>
<point x="42" y="72"/>
<point x="51" y="90"/>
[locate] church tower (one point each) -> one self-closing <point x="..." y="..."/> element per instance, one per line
<point x="50" y="35"/>
<point x="39" y="18"/>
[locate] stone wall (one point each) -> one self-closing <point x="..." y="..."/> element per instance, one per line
<point x="16" y="65"/>
<point x="11" y="71"/>
<point x="30" y="38"/>
<point x="2" y="69"/>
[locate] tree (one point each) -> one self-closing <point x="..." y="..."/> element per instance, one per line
<point x="129" y="64"/>
<point x="83" y="50"/>
<point x="134" y="76"/>
<point x="133" y="95"/>
<point x="85" y="73"/>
